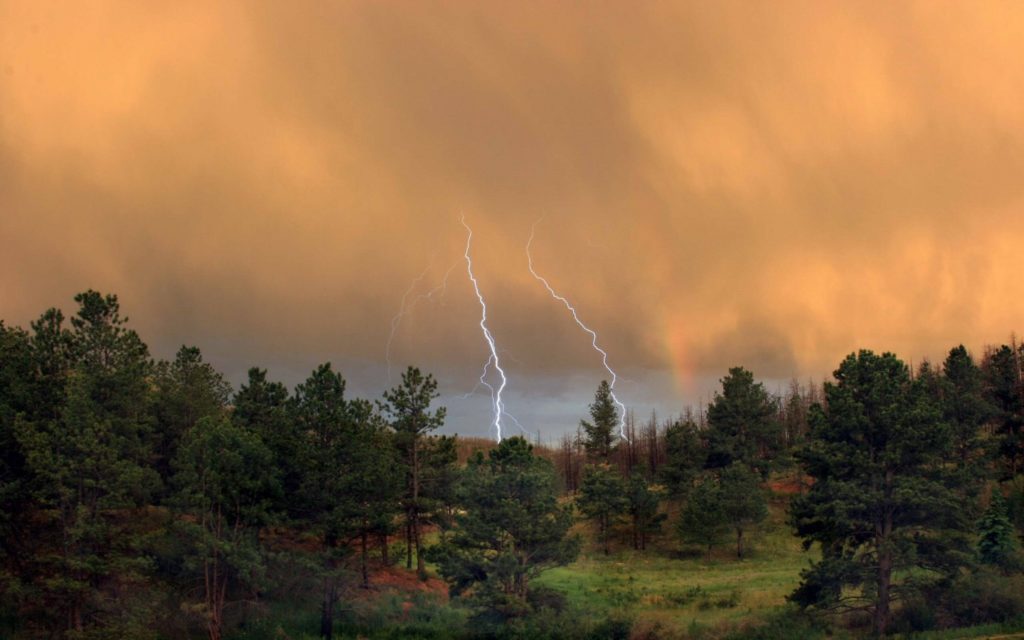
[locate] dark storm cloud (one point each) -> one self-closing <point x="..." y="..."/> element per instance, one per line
<point x="772" y="185"/>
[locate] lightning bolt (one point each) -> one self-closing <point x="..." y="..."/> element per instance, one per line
<point x="482" y="382"/>
<point x="443" y="287"/>
<point x="499" y="407"/>
<point x="407" y="306"/>
<point x="593" y="335"/>
<point x="532" y="434"/>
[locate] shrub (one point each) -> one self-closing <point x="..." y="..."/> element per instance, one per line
<point x="788" y="624"/>
<point x="979" y="597"/>
<point x="541" y="597"/>
<point x="549" y="624"/>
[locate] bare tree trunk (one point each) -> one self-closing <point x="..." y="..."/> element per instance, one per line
<point x="421" y="568"/>
<point x="327" y="610"/>
<point x="364" y="542"/>
<point x="221" y="599"/>
<point x="881" y="620"/>
<point x="567" y="463"/>
<point x="408" y="538"/>
<point x="384" y="555"/>
<point x="883" y="535"/>
<point x="214" y="587"/>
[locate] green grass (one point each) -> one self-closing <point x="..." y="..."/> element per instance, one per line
<point x="996" y="631"/>
<point x="669" y="592"/>
<point x="680" y="591"/>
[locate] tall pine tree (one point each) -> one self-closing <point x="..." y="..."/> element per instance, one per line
<point x="407" y="407"/>
<point x="600" y="431"/>
<point x="881" y="506"/>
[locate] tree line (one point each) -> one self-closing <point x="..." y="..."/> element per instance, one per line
<point x="131" y="486"/>
<point x="143" y="498"/>
<point x="908" y="482"/>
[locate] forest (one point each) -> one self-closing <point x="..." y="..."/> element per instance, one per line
<point x="147" y="499"/>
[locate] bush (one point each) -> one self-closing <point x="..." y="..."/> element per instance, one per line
<point x="915" y="615"/>
<point x="979" y="597"/>
<point x="541" y="597"/>
<point x="550" y="624"/>
<point x="616" y="627"/>
<point x="789" y="624"/>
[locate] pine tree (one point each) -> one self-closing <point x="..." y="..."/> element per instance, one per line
<point x="743" y="502"/>
<point x="997" y="543"/>
<point x="407" y="406"/>
<point x="1004" y="389"/>
<point x="363" y="479"/>
<point x="964" y="407"/>
<point x="224" y="489"/>
<point x="702" y="521"/>
<point x="509" y="529"/>
<point x="187" y="389"/>
<point x="17" y="370"/>
<point x="881" y="505"/>
<point x="685" y="455"/>
<point x="600" y="431"/>
<point x="324" y="419"/>
<point x="602" y="498"/>
<point x="440" y="479"/>
<point x="89" y="456"/>
<point x="742" y="424"/>
<point x="265" y="408"/>
<point x="642" y="506"/>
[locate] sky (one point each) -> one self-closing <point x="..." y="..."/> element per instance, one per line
<point x="765" y="184"/>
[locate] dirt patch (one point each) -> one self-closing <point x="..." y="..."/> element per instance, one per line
<point x="789" y="486"/>
<point x="399" y="580"/>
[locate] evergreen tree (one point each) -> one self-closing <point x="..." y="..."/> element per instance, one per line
<point x="743" y="503"/>
<point x="600" y="431"/>
<point x="603" y="499"/>
<point x="997" y="543"/>
<point x="1003" y="387"/>
<point x="17" y="371"/>
<point x="440" y="478"/>
<point x="702" y="521"/>
<point x="881" y="504"/>
<point x="374" y="475"/>
<point x="742" y="424"/>
<point x="509" y="529"/>
<point x="326" y="421"/>
<point x="642" y="506"/>
<point x="964" y="406"/>
<point x="52" y="354"/>
<point x="89" y="458"/>
<point x="264" y="408"/>
<point x="685" y="455"/>
<point x="223" y="486"/>
<point x="187" y="389"/>
<point x="407" y="406"/>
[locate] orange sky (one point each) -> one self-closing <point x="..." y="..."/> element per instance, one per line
<point x="769" y="184"/>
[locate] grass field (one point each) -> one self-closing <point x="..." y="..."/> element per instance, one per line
<point x="680" y="590"/>
<point x="668" y="592"/>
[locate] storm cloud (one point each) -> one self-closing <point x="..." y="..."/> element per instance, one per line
<point x="765" y="184"/>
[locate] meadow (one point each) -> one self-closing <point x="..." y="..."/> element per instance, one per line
<point x="677" y="589"/>
<point x="669" y="591"/>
